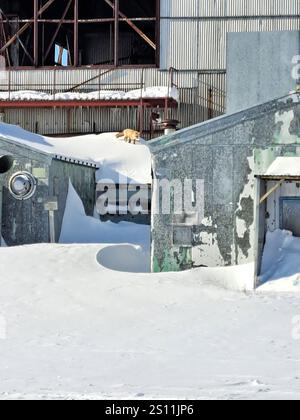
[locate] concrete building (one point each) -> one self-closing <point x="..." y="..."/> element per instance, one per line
<point x="272" y="56"/>
<point x="227" y="153"/>
<point x="80" y="46"/>
<point x="33" y="192"/>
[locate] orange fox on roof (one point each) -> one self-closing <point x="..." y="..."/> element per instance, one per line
<point x="129" y="135"/>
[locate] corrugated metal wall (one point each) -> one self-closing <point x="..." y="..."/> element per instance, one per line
<point x="193" y="32"/>
<point x="193" y="40"/>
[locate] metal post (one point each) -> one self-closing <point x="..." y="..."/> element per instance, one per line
<point x="54" y="83"/>
<point x="141" y="122"/>
<point x="36" y="33"/>
<point x="9" y="83"/>
<point x="116" y="10"/>
<point x="210" y="103"/>
<point x="76" y="35"/>
<point x="51" y="206"/>
<point x="51" y="227"/>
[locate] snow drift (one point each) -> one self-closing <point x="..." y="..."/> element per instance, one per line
<point x="78" y="228"/>
<point x="281" y="262"/>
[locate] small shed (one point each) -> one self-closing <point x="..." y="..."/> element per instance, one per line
<point x="224" y="155"/>
<point x="33" y="192"/>
<point x="277" y="202"/>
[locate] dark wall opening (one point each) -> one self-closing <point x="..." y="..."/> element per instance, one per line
<point x="86" y="33"/>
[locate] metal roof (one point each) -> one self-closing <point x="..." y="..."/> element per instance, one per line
<point x="221" y="123"/>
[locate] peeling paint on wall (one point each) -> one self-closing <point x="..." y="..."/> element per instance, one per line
<point x="208" y="253"/>
<point x="244" y="219"/>
<point x="283" y="133"/>
<point x="227" y="153"/>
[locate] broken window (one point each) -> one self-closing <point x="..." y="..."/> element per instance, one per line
<point x="79" y="32"/>
<point x="61" y="56"/>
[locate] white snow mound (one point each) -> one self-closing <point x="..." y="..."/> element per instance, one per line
<point x="281" y="262"/>
<point x="114" y="157"/>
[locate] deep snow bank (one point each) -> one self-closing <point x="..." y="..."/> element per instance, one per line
<point x="281" y="262"/>
<point x="77" y="227"/>
<point x="76" y="330"/>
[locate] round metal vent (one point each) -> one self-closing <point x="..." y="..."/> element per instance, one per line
<point x="22" y="185"/>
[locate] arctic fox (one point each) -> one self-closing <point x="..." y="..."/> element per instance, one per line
<point x="129" y="135"/>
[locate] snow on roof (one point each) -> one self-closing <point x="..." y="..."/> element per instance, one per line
<point x="285" y="166"/>
<point x="103" y="95"/>
<point x="205" y="128"/>
<point x="113" y="156"/>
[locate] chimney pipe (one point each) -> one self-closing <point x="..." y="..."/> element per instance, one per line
<point x="170" y="126"/>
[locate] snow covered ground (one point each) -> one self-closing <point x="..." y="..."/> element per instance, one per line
<point x="106" y="95"/>
<point x="88" y="320"/>
<point x="75" y="329"/>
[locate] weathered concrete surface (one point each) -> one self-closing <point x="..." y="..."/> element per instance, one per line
<point x="259" y="67"/>
<point x="27" y="222"/>
<point x="226" y="153"/>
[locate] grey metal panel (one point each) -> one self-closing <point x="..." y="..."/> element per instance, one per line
<point x="179" y="39"/>
<point x="179" y="8"/>
<point x="257" y="54"/>
<point x="223" y="8"/>
<point x="262" y="7"/>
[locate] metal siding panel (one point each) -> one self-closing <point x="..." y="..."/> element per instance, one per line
<point x="179" y="8"/>
<point x="177" y="49"/>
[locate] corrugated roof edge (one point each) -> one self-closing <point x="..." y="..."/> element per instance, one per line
<point x="75" y="161"/>
<point x="220" y="123"/>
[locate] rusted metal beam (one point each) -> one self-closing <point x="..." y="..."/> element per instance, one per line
<point x="81" y="21"/>
<point x="35" y="34"/>
<point x="60" y="56"/>
<point x="133" y="26"/>
<point x="25" y="27"/>
<point x="57" y="29"/>
<point x="90" y="80"/>
<point x="26" y="43"/>
<point x="69" y="51"/>
<point x="76" y="34"/>
<point x="2" y="17"/>
<point x="26" y="52"/>
<point x="149" y="103"/>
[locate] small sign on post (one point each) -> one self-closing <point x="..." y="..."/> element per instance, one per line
<point x="51" y="206"/>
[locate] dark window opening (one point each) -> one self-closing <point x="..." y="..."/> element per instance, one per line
<point x="79" y="32"/>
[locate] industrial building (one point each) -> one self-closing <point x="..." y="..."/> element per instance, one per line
<point x="124" y="45"/>
<point x="227" y="153"/>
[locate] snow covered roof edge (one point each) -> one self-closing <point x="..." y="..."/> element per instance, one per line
<point x="284" y="166"/>
<point x="36" y="150"/>
<point x="220" y="123"/>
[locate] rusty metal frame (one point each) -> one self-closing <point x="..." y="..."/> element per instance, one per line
<point x="57" y="30"/>
<point x="118" y="17"/>
<point x="130" y="23"/>
<point x="146" y="103"/>
<point x="26" y="26"/>
<point x="2" y="21"/>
